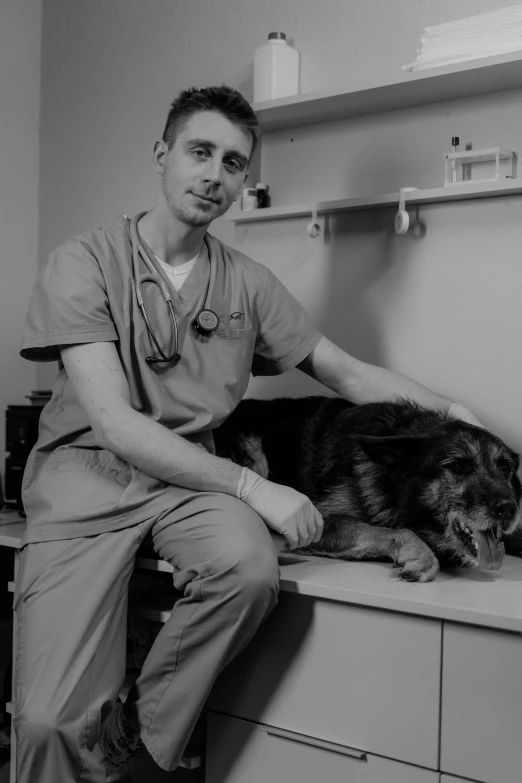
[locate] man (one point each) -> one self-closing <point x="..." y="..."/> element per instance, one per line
<point x="125" y="453"/>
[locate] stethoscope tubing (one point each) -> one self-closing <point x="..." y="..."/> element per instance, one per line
<point x="155" y="276"/>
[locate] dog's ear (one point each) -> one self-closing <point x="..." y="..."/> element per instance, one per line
<point x="392" y="450"/>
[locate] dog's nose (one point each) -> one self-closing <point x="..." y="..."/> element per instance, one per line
<point x="503" y="508"/>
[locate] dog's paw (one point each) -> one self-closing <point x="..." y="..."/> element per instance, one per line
<point x="415" y="572"/>
<point x="414" y="560"/>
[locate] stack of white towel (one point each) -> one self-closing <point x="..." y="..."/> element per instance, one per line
<point x="494" y="33"/>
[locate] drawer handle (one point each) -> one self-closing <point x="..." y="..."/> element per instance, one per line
<point x="304" y="739"/>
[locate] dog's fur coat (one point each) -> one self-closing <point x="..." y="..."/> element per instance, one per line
<point x="391" y="480"/>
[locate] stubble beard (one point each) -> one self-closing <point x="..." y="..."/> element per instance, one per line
<point x="192" y="218"/>
<point x="190" y="215"/>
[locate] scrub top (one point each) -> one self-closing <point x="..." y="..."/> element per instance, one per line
<point x="86" y="293"/>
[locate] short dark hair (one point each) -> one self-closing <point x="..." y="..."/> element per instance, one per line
<point x="225" y="100"/>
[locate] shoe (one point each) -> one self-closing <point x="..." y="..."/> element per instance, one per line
<point x="118" y="741"/>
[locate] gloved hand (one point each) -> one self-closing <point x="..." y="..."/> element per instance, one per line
<point x="282" y="508"/>
<point x="459" y="411"/>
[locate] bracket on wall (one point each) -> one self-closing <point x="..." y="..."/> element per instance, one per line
<point x="240" y="230"/>
<point x="402" y="219"/>
<point x="315" y="228"/>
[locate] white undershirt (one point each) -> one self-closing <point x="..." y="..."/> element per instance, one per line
<point x="177" y="274"/>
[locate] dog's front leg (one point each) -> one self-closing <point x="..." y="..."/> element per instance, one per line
<point x="350" y="540"/>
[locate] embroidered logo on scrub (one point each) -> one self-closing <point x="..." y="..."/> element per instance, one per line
<point x="235" y="319"/>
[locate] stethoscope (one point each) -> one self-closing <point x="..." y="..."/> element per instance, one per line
<point x="206" y="320"/>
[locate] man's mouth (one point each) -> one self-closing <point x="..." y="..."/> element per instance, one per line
<point x="207" y="199"/>
<point x="484" y="545"/>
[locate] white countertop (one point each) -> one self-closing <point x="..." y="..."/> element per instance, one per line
<point x="12" y="528"/>
<point x="488" y="598"/>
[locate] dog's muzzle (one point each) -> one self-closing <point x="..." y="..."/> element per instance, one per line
<point x="503" y="509"/>
<point x="483" y="545"/>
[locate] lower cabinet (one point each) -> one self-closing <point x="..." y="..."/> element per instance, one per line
<point x="356" y="676"/>
<point x="341" y="693"/>
<point x="481" y="727"/>
<point x="240" y="751"/>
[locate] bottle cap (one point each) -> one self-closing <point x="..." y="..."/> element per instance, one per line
<point x="455" y="141"/>
<point x="261" y="186"/>
<point x="277" y="36"/>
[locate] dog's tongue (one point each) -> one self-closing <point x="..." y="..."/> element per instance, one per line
<point x="491" y="550"/>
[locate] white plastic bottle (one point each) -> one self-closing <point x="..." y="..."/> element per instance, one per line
<point x="276" y="69"/>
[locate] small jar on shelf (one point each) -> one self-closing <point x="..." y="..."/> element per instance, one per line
<point x="248" y="199"/>
<point x="263" y="199"/>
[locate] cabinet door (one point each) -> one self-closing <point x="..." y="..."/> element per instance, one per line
<point x="481" y="727"/>
<point x="358" y="676"/>
<point x="239" y="751"/>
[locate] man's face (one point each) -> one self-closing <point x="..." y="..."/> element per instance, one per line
<point x="205" y="169"/>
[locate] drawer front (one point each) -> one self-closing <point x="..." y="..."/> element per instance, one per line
<point x="481" y="726"/>
<point x="239" y="751"/>
<point x="357" y="676"/>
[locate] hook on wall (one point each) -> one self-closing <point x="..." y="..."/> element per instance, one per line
<point x="315" y="228"/>
<point x="402" y="219"/>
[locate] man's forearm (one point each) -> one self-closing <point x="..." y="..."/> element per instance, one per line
<point x="360" y="382"/>
<point x="376" y="384"/>
<point x="157" y="451"/>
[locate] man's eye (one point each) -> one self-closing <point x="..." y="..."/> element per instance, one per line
<point x="232" y="164"/>
<point x="200" y="153"/>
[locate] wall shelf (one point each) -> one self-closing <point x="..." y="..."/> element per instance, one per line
<point x="459" y="192"/>
<point x="460" y="80"/>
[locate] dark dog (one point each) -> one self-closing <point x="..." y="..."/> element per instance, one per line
<point x="392" y="480"/>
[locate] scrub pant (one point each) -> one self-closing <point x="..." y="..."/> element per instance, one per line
<point x="71" y="604"/>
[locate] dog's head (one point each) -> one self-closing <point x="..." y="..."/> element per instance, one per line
<point x="462" y="493"/>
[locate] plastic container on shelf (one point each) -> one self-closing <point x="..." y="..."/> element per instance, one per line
<point x="276" y="69"/>
<point x="249" y="199"/>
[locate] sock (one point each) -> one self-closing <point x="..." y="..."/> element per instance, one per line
<point x="118" y="739"/>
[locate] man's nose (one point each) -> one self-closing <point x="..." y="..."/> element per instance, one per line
<point x="214" y="171"/>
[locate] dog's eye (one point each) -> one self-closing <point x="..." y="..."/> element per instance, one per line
<point x="505" y="467"/>
<point x="462" y="467"/>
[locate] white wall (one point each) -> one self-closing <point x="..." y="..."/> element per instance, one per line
<point x="20" y="40"/>
<point x="443" y="310"/>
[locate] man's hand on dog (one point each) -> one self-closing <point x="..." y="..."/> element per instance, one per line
<point x="458" y="411"/>
<point x="285" y="510"/>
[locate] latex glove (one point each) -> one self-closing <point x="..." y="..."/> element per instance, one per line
<point x="288" y="512"/>
<point x="458" y="411"/>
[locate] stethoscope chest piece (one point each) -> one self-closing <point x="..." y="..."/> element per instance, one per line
<point x="207" y="321"/>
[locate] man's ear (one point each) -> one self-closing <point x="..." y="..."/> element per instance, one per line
<point x="392" y="450"/>
<point x="160" y="151"/>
